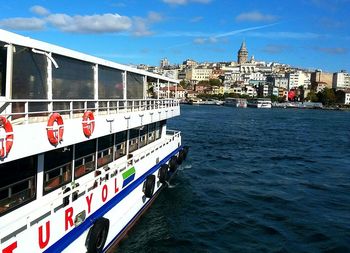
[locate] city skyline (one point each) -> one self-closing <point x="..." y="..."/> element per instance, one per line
<point x="307" y="34"/>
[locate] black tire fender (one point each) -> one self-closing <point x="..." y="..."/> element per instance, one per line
<point x="163" y="173"/>
<point x="173" y="164"/>
<point x="97" y="236"/>
<point x="148" y="186"/>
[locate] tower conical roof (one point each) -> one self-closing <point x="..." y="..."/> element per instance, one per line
<point x="243" y="47"/>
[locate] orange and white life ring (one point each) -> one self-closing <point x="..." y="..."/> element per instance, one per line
<point x="88" y="123"/>
<point x="55" y="131"/>
<point x="7" y="139"/>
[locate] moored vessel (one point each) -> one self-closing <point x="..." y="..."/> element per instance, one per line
<point x="259" y="103"/>
<point x="84" y="150"/>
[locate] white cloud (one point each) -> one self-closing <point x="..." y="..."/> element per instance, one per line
<point x="140" y="27"/>
<point x="24" y="24"/>
<point x="287" y="35"/>
<point x="106" y="23"/>
<point x="39" y="10"/>
<point x="196" y="19"/>
<point x="154" y="17"/>
<point x="199" y="41"/>
<point x="276" y="49"/>
<point x="332" y="50"/>
<point x="183" y="2"/>
<point x="255" y="16"/>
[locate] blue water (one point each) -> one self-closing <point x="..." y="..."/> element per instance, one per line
<point x="274" y="180"/>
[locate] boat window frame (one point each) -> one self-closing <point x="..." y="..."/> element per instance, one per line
<point x="31" y="189"/>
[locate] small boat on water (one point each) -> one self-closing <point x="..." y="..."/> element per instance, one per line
<point x="259" y="103"/>
<point x="236" y="102"/>
<point x="83" y="150"/>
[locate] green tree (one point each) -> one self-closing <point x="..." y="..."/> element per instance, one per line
<point x="340" y="95"/>
<point x="312" y="97"/>
<point x="214" y="82"/>
<point x="327" y="97"/>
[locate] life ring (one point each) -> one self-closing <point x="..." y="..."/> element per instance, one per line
<point x="55" y="134"/>
<point x="173" y="164"/>
<point x="163" y="173"/>
<point x="88" y="123"/>
<point x="148" y="186"/>
<point x="97" y="236"/>
<point x="7" y="140"/>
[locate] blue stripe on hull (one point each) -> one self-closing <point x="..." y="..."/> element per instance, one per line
<point x="71" y="236"/>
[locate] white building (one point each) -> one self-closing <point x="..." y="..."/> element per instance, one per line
<point x="347" y="98"/>
<point x="199" y="74"/>
<point x="298" y="78"/>
<point x="341" y="80"/>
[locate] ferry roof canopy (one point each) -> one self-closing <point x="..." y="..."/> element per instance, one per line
<point x="13" y="38"/>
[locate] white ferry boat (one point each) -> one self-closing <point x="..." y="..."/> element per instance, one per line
<point x="83" y="150"/>
<point x="260" y="103"/>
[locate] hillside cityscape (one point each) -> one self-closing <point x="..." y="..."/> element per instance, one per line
<point x="250" y="78"/>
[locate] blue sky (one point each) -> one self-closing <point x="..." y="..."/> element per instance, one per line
<point x="302" y="33"/>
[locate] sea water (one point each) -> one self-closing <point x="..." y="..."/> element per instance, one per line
<point x="255" y="180"/>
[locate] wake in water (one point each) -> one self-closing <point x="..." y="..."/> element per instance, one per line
<point x="170" y="186"/>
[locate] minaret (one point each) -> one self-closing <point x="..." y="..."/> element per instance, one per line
<point x="242" y="54"/>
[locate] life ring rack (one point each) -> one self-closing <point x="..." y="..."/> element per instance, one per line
<point x="7" y="139"/>
<point x="88" y="123"/>
<point x="55" y="133"/>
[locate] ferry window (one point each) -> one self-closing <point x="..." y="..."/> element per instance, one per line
<point x="29" y="79"/>
<point x="134" y="86"/>
<point x="84" y="158"/>
<point x="17" y="183"/>
<point x="57" y="168"/>
<point x="143" y="136"/>
<point x="158" y="131"/>
<point x="110" y="83"/>
<point x="151" y="133"/>
<point x="105" y="150"/>
<point x="74" y="79"/>
<point x="120" y="146"/>
<point x="133" y="139"/>
<point x="3" y="58"/>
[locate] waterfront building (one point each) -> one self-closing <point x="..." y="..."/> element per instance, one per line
<point x="341" y="80"/>
<point x="297" y="79"/>
<point x="321" y="77"/>
<point x="164" y="63"/>
<point x="199" y="74"/>
<point x="278" y="81"/>
<point x="347" y="98"/>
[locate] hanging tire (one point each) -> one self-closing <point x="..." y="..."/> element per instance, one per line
<point x="148" y="186"/>
<point x="185" y="149"/>
<point x="97" y="236"/>
<point x="163" y="173"/>
<point x="173" y="164"/>
<point x="180" y="157"/>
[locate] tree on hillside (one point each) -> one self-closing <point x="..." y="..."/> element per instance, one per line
<point x="214" y="82"/>
<point x="311" y="96"/>
<point x="203" y="83"/>
<point x="327" y="96"/>
<point x="340" y="95"/>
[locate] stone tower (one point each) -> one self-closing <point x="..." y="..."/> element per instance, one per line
<point x="242" y="54"/>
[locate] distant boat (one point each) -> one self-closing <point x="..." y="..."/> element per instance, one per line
<point x="260" y="103"/>
<point x="236" y="102"/>
<point x="203" y="102"/>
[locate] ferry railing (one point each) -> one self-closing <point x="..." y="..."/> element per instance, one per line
<point x="30" y="111"/>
